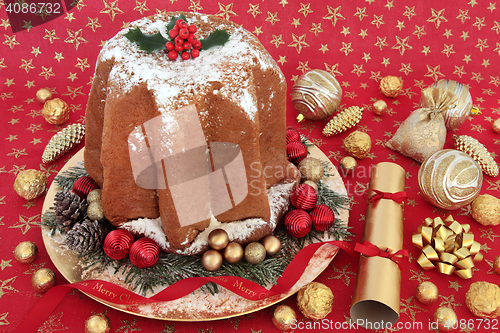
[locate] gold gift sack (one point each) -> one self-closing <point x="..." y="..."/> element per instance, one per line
<point x="424" y="132"/>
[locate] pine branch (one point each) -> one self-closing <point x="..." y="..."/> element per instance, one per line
<point x="334" y="200"/>
<point x="49" y="221"/>
<point x="66" y="179"/>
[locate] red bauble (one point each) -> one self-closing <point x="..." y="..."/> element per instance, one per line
<point x="298" y="223"/>
<point x="83" y="186"/>
<point x="304" y="197"/>
<point x="296" y="152"/>
<point x="292" y="135"/>
<point x="144" y="253"/>
<point x="322" y="217"/>
<point x="117" y="244"/>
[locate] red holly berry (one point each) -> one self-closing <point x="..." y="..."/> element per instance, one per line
<point x="186" y="45"/>
<point x="169" y="46"/>
<point x="192" y="28"/>
<point x="183" y="25"/>
<point x="179" y="48"/>
<point x="185" y="55"/>
<point x="173" y="33"/>
<point x="178" y="23"/>
<point x="178" y="40"/>
<point x="197" y="44"/>
<point x="192" y="38"/>
<point x="184" y="33"/>
<point x="172" y="55"/>
<point x="195" y="53"/>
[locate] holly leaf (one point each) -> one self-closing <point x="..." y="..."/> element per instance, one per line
<point x="218" y="37"/>
<point x="173" y="21"/>
<point x="148" y="43"/>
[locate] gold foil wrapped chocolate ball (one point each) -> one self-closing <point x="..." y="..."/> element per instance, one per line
<point x="316" y="95"/>
<point x="211" y="260"/>
<point x="218" y="239"/>
<point x="446" y="319"/>
<point x="483" y="299"/>
<point x="486" y="210"/>
<point x="43" y="95"/>
<point x="315" y="300"/>
<point x="358" y="144"/>
<point x="496" y="265"/>
<point x="55" y="111"/>
<point x="95" y="211"/>
<point x="495" y="126"/>
<point x="233" y="253"/>
<point x="272" y="244"/>
<point x="427" y="292"/>
<point x="43" y="279"/>
<point x="311" y="169"/>
<point x="255" y="253"/>
<point x="97" y="323"/>
<point x="348" y="164"/>
<point x="450" y="179"/>
<point x="30" y="184"/>
<point x="380" y="107"/>
<point x="391" y="86"/>
<point x="284" y="317"/>
<point x="25" y="252"/>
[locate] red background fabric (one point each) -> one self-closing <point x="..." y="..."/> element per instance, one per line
<point x="358" y="41"/>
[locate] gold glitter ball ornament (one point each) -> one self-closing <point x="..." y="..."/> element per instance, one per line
<point x="233" y="253"/>
<point x="94" y="195"/>
<point x="218" y="239"/>
<point x="272" y="244"/>
<point x="391" y="86"/>
<point x="43" y="279"/>
<point x="30" y="184"/>
<point x="95" y="211"/>
<point x="211" y="260"/>
<point x="380" y="107"/>
<point x="458" y="113"/>
<point x="43" y="95"/>
<point x="446" y="319"/>
<point x="97" y="323"/>
<point x="63" y="141"/>
<point x="496" y="265"/>
<point x="311" y="169"/>
<point x="25" y="252"/>
<point x="427" y="292"/>
<point x="483" y="299"/>
<point x="450" y="179"/>
<point x="284" y="317"/>
<point x="358" y="144"/>
<point x="478" y="152"/>
<point x="55" y="111"/>
<point x="486" y="210"/>
<point x="495" y="126"/>
<point x="343" y="121"/>
<point x="348" y="164"/>
<point x="255" y="253"/>
<point x="315" y="300"/>
<point x="312" y="184"/>
<point x="316" y="94"/>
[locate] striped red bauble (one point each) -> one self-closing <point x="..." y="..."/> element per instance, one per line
<point x="144" y="253"/>
<point x="304" y="197"/>
<point x="83" y="186"/>
<point x="296" y="152"/>
<point x="292" y="135"/>
<point x="117" y="244"/>
<point x="298" y="223"/>
<point x="322" y="217"/>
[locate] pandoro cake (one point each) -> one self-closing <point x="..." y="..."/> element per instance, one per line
<point x="181" y="147"/>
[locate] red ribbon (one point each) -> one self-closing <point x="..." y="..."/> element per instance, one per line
<point x="370" y="250"/>
<point x="398" y="197"/>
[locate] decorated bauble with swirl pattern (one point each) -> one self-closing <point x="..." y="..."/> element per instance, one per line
<point x="450" y="179"/>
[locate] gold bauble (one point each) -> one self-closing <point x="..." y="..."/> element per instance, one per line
<point x="495" y="126"/>
<point x="95" y="211"/>
<point x="358" y="144"/>
<point x="30" y="184"/>
<point x="43" y="95"/>
<point x="496" y="265"/>
<point x="211" y="260"/>
<point x="43" y="279"/>
<point x="348" y="164"/>
<point x="25" y="252"/>
<point x="284" y="317"/>
<point x="218" y="239"/>
<point x="446" y="319"/>
<point x="483" y="299"/>
<point x="316" y="94"/>
<point x="312" y="184"/>
<point x="94" y="195"/>
<point x="97" y="323"/>
<point x="233" y="253"/>
<point x="450" y="179"/>
<point x="315" y="300"/>
<point x="456" y="114"/>
<point x="311" y="169"/>
<point x="426" y="292"/>
<point x="255" y="253"/>
<point x="380" y="107"/>
<point x="486" y="210"/>
<point x="55" y="111"/>
<point x="272" y="244"/>
<point x="391" y="86"/>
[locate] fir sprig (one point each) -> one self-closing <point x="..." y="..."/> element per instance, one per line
<point x="66" y="179"/>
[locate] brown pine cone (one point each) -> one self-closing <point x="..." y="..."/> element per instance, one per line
<point x="85" y="237"/>
<point x="69" y="209"/>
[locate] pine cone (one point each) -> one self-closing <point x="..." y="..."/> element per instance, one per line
<point x="478" y="152"/>
<point x="70" y="209"/>
<point x="343" y="121"/>
<point x="63" y="141"/>
<point x="85" y="237"/>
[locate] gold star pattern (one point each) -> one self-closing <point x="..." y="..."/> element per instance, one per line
<point x="10" y="41"/>
<point x="27" y="65"/>
<point x="434" y="72"/>
<point x="58" y="56"/>
<point x="402" y="45"/>
<point x="482" y="44"/>
<point x="254" y="10"/>
<point x="25" y="223"/>
<point x="449" y="301"/>
<point x="344" y="274"/>
<point x="5" y="286"/>
<point x="298" y="42"/>
<point x="381" y="42"/>
<point x="111" y="9"/>
<point x="195" y="6"/>
<point x="5" y="24"/>
<point x="4" y="264"/>
<point x="409" y="308"/>
<point x="419" y="31"/>
<point x="305" y="9"/>
<point x="257" y="31"/>
<point x="409" y="12"/>
<point x="141" y="7"/>
<point x="437" y="17"/>
<point x="323" y="48"/>
<point x="378" y="20"/>
<point x="46" y="72"/>
<point x="277" y="40"/>
<point x="479" y="24"/>
<point x="363" y="33"/>
<point x="333" y="14"/>
<point x="50" y="35"/>
<point x="75" y="38"/>
<point x="272" y="18"/>
<point x="418" y="275"/>
<point x="316" y="28"/>
<point x="93" y="23"/>
<point x="455" y="285"/>
<point x="406" y="68"/>
<point x="448" y="49"/>
<point x="303" y="66"/>
<point x="360" y="13"/>
<point x="459" y="71"/>
<point x="296" y="22"/>
<point x="385" y="61"/>
<point x="496" y="27"/>
<point x="346" y="48"/>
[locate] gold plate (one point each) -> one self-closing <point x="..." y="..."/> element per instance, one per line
<point x="197" y="306"/>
